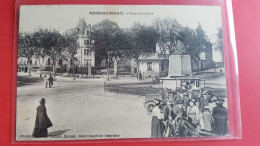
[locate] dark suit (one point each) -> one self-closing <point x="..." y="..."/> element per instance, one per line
<point x="177" y="111"/>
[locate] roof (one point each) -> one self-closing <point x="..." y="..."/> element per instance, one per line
<point x="81" y="26"/>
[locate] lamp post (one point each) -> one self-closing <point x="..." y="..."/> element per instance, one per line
<point x="54" y="40"/>
<point x="108" y="63"/>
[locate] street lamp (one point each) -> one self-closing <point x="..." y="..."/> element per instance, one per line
<point x="108" y="63"/>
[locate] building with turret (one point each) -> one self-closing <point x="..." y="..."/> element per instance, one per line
<point x="85" y="54"/>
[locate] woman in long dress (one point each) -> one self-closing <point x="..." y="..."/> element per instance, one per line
<point x="220" y="116"/>
<point x="157" y="124"/>
<point x="193" y="112"/>
<point x="42" y="121"/>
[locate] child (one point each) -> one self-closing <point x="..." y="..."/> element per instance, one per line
<point x="46" y="79"/>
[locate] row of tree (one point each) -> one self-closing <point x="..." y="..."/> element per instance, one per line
<point x="47" y="43"/>
<point x="112" y="42"/>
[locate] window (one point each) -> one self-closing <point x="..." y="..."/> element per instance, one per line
<point x="87" y="52"/>
<point x="149" y="66"/>
<point x="162" y="67"/>
<point x="35" y="63"/>
<point x="88" y="33"/>
<point x="86" y="42"/>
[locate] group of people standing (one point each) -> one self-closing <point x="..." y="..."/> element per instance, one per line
<point x="22" y="69"/>
<point x="48" y="81"/>
<point x="182" y="115"/>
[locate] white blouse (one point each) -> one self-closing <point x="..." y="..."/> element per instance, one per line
<point x="157" y="112"/>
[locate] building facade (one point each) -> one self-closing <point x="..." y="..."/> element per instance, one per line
<point x="85" y="55"/>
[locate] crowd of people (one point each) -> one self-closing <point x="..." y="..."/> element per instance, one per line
<point x="189" y="115"/>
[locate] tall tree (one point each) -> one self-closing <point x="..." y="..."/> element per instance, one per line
<point x="194" y="42"/>
<point x="26" y="47"/>
<point x="53" y="43"/>
<point x="109" y="42"/>
<point x="219" y="43"/>
<point x="142" y="41"/>
<point x="71" y="45"/>
<point x="169" y="37"/>
<point x="39" y="52"/>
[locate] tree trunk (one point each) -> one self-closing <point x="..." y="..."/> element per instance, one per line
<point x="108" y="70"/>
<point x="53" y="68"/>
<point x="89" y="69"/>
<point x="138" y="69"/>
<point x="73" y="68"/>
<point x="29" y="66"/>
<point x="115" y="68"/>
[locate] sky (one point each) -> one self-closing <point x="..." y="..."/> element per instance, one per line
<point x="64" y="17"/>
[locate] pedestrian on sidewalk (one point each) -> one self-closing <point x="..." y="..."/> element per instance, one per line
<point x="50" y="81"/>
<point x="42" y="122"/>
<point x="46" y="81"/>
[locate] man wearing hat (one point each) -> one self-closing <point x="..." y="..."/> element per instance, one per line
<point x="186" y="99"/>
<point x="177" y="108"/>
<point x="168" y="117"/>
<point x="177" y="96"/>
<point x="203" y="101"/>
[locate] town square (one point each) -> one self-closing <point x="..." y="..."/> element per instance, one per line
<point x="120" y="77"/>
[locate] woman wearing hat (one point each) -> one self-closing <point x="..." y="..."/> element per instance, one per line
<point x="220" y="116"/>
<point x="42" y="121"/>
<point x="157" y="124"/>
<point x="193" y="112"/>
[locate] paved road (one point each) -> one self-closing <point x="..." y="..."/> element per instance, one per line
<point x="83" y="107"/>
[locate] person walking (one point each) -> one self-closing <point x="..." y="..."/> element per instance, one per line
<point x="50" y="81"/>
<point x="46" y="81"/>
<point x="42" y="122"/>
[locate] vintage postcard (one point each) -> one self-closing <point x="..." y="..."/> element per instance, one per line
<point x="120" y="71"/>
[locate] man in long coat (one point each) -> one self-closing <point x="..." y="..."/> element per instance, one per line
<point x="42" y="121"/>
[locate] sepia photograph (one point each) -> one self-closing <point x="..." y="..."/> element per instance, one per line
<point x="120" y="71"/>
